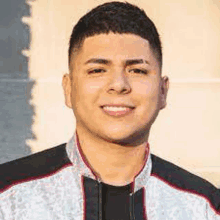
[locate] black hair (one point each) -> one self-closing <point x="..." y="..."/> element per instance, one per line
<point x="116" y="17"/>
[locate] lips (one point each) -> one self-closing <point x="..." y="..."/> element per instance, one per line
<point x="117" y="110"/>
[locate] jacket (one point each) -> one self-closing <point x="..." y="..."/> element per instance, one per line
<point x="58" y="184"/>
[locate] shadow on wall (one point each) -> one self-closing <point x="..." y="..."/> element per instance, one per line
<point x="16" y="112"/>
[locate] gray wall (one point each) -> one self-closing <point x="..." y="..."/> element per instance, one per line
<point x="16" y="112"/>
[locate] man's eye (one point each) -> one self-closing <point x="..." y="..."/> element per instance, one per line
<point x="138" y="71"/>
<point x="96" y="71"/>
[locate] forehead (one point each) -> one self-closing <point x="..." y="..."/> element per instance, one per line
<point x="115" y="47"/>
<point x="116" y="39"/>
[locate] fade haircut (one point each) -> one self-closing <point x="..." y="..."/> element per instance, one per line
<point x="116" y="17"/>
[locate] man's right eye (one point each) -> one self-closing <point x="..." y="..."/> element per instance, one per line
<point x="96" y="71"/>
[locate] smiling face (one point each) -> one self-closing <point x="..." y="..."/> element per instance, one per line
<point x="115" y="88"/>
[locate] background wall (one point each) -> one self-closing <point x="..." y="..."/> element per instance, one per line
<point x="186" y="133"/>
<point x="16" y="111"/>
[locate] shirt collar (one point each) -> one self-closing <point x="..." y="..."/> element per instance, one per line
<point x="82" y="167"/>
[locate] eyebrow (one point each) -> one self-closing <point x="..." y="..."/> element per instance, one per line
<point x="108" y="62"/>
<point x="135" y="61"/>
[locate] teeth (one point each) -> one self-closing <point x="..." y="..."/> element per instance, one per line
<point x="115" y="109"/>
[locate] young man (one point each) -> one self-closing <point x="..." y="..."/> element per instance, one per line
<point x="106" y="171"/>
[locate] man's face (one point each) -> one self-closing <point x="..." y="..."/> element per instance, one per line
<point x="115" y="87"/>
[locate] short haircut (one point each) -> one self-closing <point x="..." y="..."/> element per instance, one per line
<point x="116" y="17"/>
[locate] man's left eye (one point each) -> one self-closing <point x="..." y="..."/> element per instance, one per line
<point x="138" y="71"/>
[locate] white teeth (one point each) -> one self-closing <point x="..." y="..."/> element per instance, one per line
<point x="115" y="109"/>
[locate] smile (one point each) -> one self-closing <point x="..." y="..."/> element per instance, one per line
<point x="117" y="110"/>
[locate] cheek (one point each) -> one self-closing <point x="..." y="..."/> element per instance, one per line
<point x="91" y="87"/>
<point x="86" y="91"/>
<point x="146" y="90"/>
<point x="148" y="98"/>
<point x="81" y="87"/>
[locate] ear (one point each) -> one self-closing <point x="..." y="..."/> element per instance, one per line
<point x="66" y="83"/>
<point x="163" y="91"/>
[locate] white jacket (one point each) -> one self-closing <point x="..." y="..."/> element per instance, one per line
<point x="55" y="184"/>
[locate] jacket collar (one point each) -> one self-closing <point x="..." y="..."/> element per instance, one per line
<point x="82" y="167"/>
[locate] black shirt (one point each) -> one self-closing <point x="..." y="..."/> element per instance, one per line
<point x="115" y="205"/>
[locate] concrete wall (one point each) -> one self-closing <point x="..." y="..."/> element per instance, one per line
<point x="16" y="112"/>
<point x="187" y="132"/>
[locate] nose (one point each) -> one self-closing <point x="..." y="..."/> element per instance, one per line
<point x="119" y="84"/>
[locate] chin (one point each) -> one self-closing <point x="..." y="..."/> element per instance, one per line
<point x="129" y="138"/>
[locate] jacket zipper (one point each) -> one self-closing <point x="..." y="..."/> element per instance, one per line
<point x="100" y="200"/>
<point x="131" y="207"/>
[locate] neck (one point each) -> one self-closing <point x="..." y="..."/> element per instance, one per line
<point x="114" y="164"/>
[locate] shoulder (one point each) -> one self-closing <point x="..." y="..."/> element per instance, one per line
<point x="33" y="167"/>
<point x="183" y="180"/>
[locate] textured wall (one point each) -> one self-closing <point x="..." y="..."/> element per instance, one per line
<point x="16" y="112"/>
<point x="187" y="132"/>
